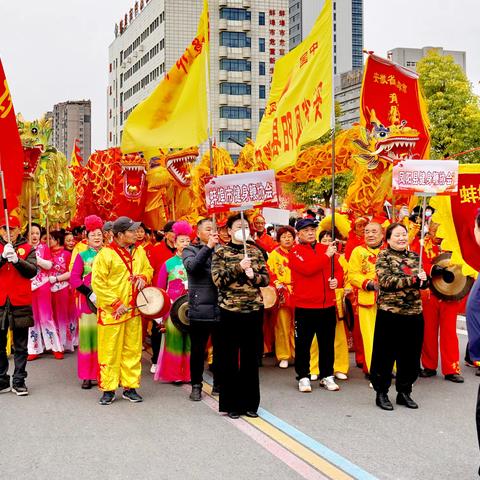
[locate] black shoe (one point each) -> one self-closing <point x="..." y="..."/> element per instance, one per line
<point x="233" y="415"/>
<point x="196" y="394"/>
<point x="367" y="376"/>
<point x="383" y="401"/>
<point x="359" y="365"/>
<point x="5" y="388"/>
<point x="215" y="390"/>
<point x="427" y="372"/>
<point x="251" y="414"/>
<point x="20" y="390"/>
<point x="131" y="395"/>
<point x="107" y="398"/>
<point x="406" y="399"/>
<point x="455" y="378"/>
<point x="87" y="384"/>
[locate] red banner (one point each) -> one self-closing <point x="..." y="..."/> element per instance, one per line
<point x="252" y="189"/>
<point x="11" y="152"/>
<point x="393" y="110"/>
<point x="464" y="210"/>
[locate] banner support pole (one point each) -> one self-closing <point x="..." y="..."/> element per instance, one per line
<point x="332" y="120"/>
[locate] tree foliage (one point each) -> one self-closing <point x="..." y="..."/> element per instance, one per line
<point x="453" y="108"/>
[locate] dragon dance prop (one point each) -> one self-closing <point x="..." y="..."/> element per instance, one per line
<point x="48" y="191"/>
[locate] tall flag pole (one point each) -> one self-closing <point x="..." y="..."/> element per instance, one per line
<point x="332" y="120"/>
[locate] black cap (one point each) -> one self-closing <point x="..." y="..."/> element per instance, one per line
<point x="168" y="226"/>
<point x="107" y="226"/>
<point x="122" y="224"/>
<point x="304" y="223"/>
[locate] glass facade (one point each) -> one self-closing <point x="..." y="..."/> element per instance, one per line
<point x="235" y="88"/>
<point x="357" y="33"/>
<point x="235" y="65"/>
<point x="235" y="14"/>
<point x="238" y="135"/>
<point x="235" y="112"/>
<point x="261" y="18"/>
<point x="234" y="39"/>
<point x="261" y="44"/>
<point x="261" y="68"/>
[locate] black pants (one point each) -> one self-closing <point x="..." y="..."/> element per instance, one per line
<point x="397" y="338"/>
<point x="156" y="340"/>
<point x="237" y="361"/>
<point x="20" y="344"/>
<point x="308" y="322"/>
<point x="199" y="333"/>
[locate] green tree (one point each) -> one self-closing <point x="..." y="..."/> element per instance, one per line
<point x="453" y="108"/>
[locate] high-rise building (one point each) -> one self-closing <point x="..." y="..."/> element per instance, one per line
<point x="72" y="121"/>
<point x="347" y="29"/>
<point x="409" y="57"/>
<point x="247" y="36"/>
<point x="348" y="87"/>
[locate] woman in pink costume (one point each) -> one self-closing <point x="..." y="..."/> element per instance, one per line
<point x="44" y="334"/>
<point x="59" y="276"/>
<point x="81" y="280"/>
<point x="174" y="359"/>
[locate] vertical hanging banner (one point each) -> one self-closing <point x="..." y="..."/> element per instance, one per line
<point x="175" y="114"/>
<point x="11" y="151"/>
<point x="393" y="111"/>
<point x="300" y="102"/>
<point x="456" y="217"/>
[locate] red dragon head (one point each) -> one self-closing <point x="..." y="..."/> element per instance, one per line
<point x="134" y="174"/>
<point x="178" y="164"/>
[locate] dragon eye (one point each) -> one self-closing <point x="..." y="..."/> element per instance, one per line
<point x="34" y="130"/>
<point x="383" y="134"/>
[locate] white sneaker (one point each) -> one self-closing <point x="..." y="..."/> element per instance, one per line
<point x="341" y="376"/>
<point x="304" y="385"/>
<point x="283" y="364"/>
<point x="329" y="384"/>
<point x="370" y="385"/>
<point x="153" y="368"/>
<point x="313" y="377"/>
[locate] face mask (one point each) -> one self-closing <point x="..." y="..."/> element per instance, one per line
<point x="238" y="236"/>
<point x="428" y="213"/>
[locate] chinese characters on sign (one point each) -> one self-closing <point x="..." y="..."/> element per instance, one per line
<point x="251" y="188"/>
<point x="389" y="80"/>
<point x="277" y="30"/>
<point x="438" y="177"/>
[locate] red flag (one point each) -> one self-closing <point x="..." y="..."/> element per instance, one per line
<point x="11" y="151"/>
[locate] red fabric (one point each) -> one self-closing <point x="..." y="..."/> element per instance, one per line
<point x="11" y="151"/>
<point x="12" y="284"/>
<point x="440" y="320"/>
<point x="265" y="241"/>
<point x="353" y="241"/>
<point x="158" y="255"/>
<point x="310" y="273"/>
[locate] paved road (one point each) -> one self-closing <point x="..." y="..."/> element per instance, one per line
<point x="59" y="431"/>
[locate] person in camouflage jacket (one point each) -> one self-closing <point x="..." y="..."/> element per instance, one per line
<point x="399" y="325"/>
<point x="238" y="279"/>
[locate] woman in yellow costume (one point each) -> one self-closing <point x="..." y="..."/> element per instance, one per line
<point x="281" y="277"/>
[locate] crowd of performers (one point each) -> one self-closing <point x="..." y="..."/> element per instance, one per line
<point x="66" y="290"/>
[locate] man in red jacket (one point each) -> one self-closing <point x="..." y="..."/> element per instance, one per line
<point x="314" y="298"/>
<point x="18" y="264"/>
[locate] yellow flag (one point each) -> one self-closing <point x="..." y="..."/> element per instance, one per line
<point x="300" y="102"/>
<point x="175" y="114"/>
<point x="76" y="158"/>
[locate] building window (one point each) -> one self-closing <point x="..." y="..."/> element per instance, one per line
<point x="261" y="44"/>
<point x="234" y="39"/>
<point x="235" y="88"/>
<point x="261" y="68"/>
<point x="261" y="18"/>
<point x="235" y="14"/>
<point x="260" y="114"/>
<point x="238" y="135"/>
<point x="235" y="112"/>
<point x="262" y="91"/>
<point x="235" y="65"/>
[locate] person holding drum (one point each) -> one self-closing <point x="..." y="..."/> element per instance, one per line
<point x="281" y="279"/>
<point x="238" y="271"/>
<point x="204" y="313"/>
<point x="120" y="272"/>
<point x="81" y="280"/>
<point x="174" y="358"/>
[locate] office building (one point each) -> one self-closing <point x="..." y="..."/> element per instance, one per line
<point x="347" y="29"/>
<point x="409" y="57"/>
<point x="72" y="121"/>
<point x="247" y="36"/>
